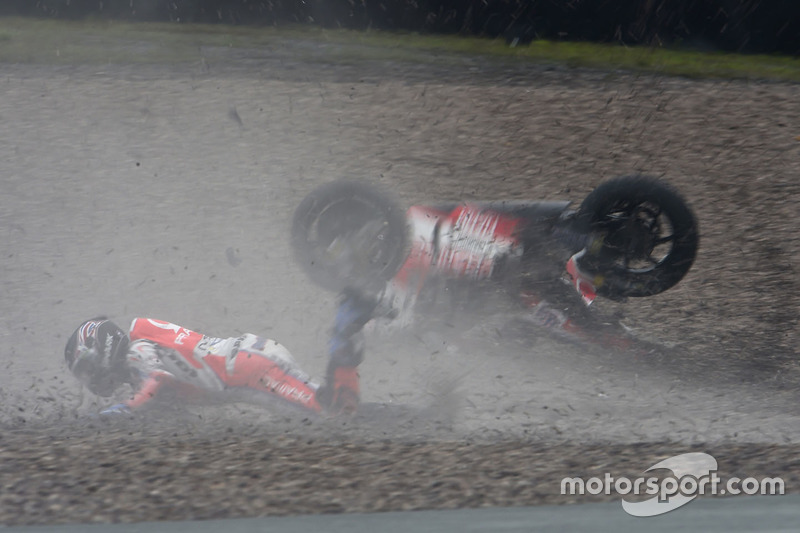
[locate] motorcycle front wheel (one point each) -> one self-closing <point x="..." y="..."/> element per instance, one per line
<point x="643" y="236"/>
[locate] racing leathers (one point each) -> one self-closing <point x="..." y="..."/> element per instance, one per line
<point x="165" y="355"/>
<point x="161" y="354"/>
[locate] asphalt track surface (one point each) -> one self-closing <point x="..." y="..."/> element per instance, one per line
<point x="777" y="514"/>
<point x="166" y="191"/>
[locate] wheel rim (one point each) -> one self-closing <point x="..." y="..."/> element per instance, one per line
<point x="637" y="236"/>
<point x="351" y="239"/>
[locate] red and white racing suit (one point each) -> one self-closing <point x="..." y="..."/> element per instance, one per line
<point x="162" y="354"/>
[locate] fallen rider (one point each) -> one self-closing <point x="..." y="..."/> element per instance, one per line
<point x="153" y="356"/>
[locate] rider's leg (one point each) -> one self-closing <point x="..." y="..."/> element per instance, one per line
<point x="346" y="351"/>
<point x="266" y="366"/>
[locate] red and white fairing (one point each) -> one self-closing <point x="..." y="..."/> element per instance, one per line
<point x="583" y="282"/>
<point x="466" y="242"/>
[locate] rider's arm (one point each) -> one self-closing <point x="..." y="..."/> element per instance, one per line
<point x="149" y="375"/>
<point x="149" y="388"/>
<point x="146" y="392"/>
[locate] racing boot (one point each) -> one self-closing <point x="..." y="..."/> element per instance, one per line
<point x="340" y="394"/>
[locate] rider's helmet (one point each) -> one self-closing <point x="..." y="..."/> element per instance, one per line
<point x="95" y="354"/>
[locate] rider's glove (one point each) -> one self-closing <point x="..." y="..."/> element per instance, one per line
<point x="118" y="409"/>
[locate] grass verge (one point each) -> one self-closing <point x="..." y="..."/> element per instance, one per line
<point x="24" y="40"/>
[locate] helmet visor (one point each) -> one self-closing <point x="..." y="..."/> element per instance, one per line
<point x="90" y="369"/>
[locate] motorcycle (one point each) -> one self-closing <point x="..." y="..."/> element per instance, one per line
<point x="631" y="237"/>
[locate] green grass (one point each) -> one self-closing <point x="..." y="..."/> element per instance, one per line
<point x="97" y="42"/>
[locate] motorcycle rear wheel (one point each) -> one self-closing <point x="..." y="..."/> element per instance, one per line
<point x="349" y="235"/>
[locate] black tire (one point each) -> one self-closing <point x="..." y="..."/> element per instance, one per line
<point x="644" y="236"/>
<point x="349" y="235"/>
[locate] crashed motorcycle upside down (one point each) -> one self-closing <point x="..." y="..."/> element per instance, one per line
<point x="632" y="236"/>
